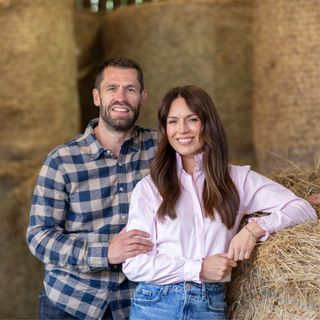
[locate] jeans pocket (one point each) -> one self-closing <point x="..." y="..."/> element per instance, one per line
<point x="216" y="298"/>
<point x="147" y="294"/>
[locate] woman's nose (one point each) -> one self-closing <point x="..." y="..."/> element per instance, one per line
<point x="183" y="127"/>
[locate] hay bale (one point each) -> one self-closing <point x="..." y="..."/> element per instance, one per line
<point x="206" y="43"/>
<point x="39" y="107"/>
<point x="286" y="112"/>
<point x="301" y="179"/>
<point x="282" y="278"/>
<point x="21" y="275"/>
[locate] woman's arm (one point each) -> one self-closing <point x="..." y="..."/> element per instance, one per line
<point x="155" y="267"/>
<point x="261" y="194"/>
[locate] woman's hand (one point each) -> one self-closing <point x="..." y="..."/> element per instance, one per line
<point x="244" y="241"/>
<point x="216" y="267"/>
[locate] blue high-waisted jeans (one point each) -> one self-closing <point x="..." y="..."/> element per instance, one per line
<point x="181" y="301"/>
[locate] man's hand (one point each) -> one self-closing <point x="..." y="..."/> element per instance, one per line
<point x="215" y="268"/>
<point x="314" y="199"/>
<point x="127" y="245"/>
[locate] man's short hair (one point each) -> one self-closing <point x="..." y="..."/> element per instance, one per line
<point x="119" y="62"/>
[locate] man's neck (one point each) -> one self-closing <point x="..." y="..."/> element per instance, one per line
<point x="111" y="139"/>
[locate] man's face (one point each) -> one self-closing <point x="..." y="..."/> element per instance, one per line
<point x="119" y="98"/>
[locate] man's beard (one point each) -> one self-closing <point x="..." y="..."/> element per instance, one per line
<point x="119" y="124"/>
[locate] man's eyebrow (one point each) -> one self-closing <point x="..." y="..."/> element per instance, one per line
<point x="118" y="85"/>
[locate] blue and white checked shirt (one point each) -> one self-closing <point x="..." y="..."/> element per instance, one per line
<point x="80" y="202"/>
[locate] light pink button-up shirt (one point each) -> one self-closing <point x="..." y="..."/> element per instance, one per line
<point x="181" y="244"/>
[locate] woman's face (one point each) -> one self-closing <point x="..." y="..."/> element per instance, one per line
<point x="183" y="129"/>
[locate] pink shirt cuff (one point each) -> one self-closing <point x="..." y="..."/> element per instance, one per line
<point x="262" y="226"/>
<point x="192" y="270"/>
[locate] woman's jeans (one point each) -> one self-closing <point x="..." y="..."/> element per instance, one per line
<point x="181" y="301"/>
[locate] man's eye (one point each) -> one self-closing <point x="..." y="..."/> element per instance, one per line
<point x="131" y="90"/>
<point x="111" y="89"/>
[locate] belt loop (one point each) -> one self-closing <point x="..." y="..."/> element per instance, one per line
<point x="203" y="289"/>
<point x="165" y="289"/>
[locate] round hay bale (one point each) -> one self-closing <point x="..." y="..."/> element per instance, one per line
<point x="282" y="278"/>
<point x="205" y="43"/>
<point x="286" y="112"/>
<point x="20" y="273"/>
<point x="39" y="107"/>
<point x="303" y="180"/>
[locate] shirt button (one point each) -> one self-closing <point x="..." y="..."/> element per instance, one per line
<point x="123" y="217"/>
<point x="121" y="189"/>
<point x="120" y="164"/>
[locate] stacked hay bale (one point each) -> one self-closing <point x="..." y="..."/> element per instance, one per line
<point x="20" y="273"/>
<point x="286" y="81"/>
<point x="206" y="43"/>
<point x="38" y="68"/>
<point x="282" y="278"/>
<point x="39" y="110"/>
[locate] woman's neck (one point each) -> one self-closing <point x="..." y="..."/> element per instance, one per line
<point x="188" y="164"/>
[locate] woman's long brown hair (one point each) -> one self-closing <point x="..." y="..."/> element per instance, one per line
<point x="219" y="191"/>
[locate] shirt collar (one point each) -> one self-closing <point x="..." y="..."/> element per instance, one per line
<point x="199" y="162"/>
<point x="97" y="149"/>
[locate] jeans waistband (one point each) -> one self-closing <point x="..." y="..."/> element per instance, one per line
<point x="190" y="287"/>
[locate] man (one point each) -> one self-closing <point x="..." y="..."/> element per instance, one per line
<point x="80" y="204"/>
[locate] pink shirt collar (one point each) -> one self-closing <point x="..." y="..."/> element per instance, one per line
<point x="199" y="161"/>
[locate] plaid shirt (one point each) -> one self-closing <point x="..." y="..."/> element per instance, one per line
<point x="80" y="203"/>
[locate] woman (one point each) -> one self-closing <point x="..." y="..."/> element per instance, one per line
<point x="192" y="205"/>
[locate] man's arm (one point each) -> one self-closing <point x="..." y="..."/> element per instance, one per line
<point x="46" y="235"/>
<point x="128" y="245"/>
